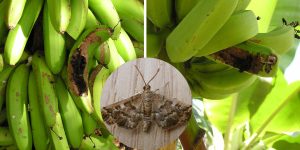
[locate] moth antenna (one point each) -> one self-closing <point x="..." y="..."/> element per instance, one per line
<point x="113" y="29"/>
<point x="153" y="76"/>
<point x="140" y="74"/>
<point x="60" y="138"/>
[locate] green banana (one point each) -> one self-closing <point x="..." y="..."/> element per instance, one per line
<point x="197" y="28"/>
<point x="39" y="132"/>
<point x="3" y="116"/>
<point x="183" y="7"/>
<point x="45" y="89"/>
<point x="79" y="10"/>
<point x="106" y="13"/>
<point x="54" y="44"/>
<point x="134" y="28"/>
<point x="159" y="12"/>
<point x="3" y="83"/>
<point x="5" y="137"/>
<point x="16" y="105"/>
<point x="3" y="28"/>
<point x="91" y="20"/>
<point x="115" y="60"/>
<point x="156" y="42"/>
<point x="89" y="124"/>
<point x="70" y="115"/>
<point x="239" y="22"/>
<point x="1" y="62"/>
<point x="102" y="53"/>
<point x="132" y="14"/>
<point x="280" y="39"/>
<point x="125" y="47"/>
<point x="58" y="136"/>
<point x="250" y="57"/>
<point x="17" y="37"/>
<point x="96" y="83"/>
<point x="221" y="83"/>
<point x="60" y="14"/>
<point x="14" y="12"/>
<point x="242" y="5"/>
<point x="130" y="9"/>
<point x="96" y="142"/>
<point x="77" y="69"/>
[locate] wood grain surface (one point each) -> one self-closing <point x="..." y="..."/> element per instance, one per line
<point x="125" y="82"/>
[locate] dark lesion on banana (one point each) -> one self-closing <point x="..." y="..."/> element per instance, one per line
<point x="245" y="61"/>
<point x="78" y="68"/>
<point x="78" y="63"/>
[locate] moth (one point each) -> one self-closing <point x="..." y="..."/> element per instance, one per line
<point x="147" y="108"/>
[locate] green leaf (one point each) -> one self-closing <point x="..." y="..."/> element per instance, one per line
<point x="278" y="112"/>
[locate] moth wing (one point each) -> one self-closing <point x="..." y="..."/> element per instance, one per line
<point x="170" y="113"/>
<point x="124" y="113"/>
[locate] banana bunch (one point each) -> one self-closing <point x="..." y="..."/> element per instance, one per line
<point x="215" y="44"/>
<point x="55" y="57"/>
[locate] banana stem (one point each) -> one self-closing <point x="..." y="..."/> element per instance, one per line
<point x="228" y="136"/>
<point x="192" y="136"/>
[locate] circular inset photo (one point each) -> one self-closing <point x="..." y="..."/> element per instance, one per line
<point x="146" y="103"/>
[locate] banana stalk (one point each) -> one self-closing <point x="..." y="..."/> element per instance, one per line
<point x="16" y="105"/>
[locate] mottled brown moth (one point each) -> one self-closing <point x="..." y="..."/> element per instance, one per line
<point x="146" y="108"/>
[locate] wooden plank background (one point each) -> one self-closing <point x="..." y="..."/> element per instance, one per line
<point x="126" y="82"/>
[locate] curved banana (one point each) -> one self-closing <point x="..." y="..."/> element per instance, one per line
<point x="91" y="20"/>
<point x="58" y="136"/>
<point x="280" y="39"/>
<point x="132" y="14"/>
<point x="3" y="83"/>
<point x="5" y="137"/>
<point x="79" y="11"/>
<point x="125" y="47"/>
<point x="3" y="28"/>
<point x="60" y="14"/>
<point x="242" y="5"/>
<point x="16" y="105"/>
<point x="39" y="132"/>
<point x="197" y="28"/>
<point x="96" y="82"/>
<point x="134" y="28"/>
<point x="106" y="13"/>
<point x="17" y="37"/>
<point x="115" y="60"/>
<point x="183" y="7"/>
<point x="159" y="12"/>
<point x="239" y="22"/>
<point x="89" y="124"/>
<point x="54" y="44"/>
<point x="223" y="82"/>
<point x="14" y="12"/>
<point x="45" y="89"/>
<point x="70" y="114"/>
<point x="250" y="57"/>
<point x="77" y="69"/>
